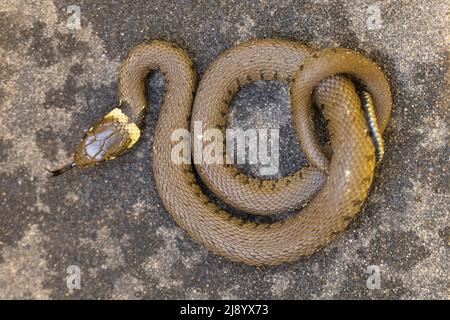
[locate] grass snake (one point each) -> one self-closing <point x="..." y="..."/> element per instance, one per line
<point x="334" y="188"/>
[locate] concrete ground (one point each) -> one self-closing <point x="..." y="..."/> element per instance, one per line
<point x="55" y="81"/>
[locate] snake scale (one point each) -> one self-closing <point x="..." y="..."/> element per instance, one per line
<point x="334" y="188"/>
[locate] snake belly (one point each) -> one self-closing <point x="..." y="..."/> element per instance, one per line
<point x="335" y="188"/>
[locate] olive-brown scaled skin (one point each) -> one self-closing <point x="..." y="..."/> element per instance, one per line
<point x="106" y="140"/>
<point x="340" y="193"/>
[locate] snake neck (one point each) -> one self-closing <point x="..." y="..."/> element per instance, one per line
<point x="141" y="61"/>
<point x="120" y="129"/>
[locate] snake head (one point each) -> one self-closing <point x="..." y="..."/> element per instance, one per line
<point x="109" y="138"/>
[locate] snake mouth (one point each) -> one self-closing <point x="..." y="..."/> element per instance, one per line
<point x="62" y="170"/>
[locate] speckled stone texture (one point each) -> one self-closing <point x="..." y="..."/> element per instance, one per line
<point x="55" y="82"/>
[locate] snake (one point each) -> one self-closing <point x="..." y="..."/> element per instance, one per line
<point x="350" y="90"/>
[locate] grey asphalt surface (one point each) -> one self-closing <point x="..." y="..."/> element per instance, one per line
<point x="109" y="221"/>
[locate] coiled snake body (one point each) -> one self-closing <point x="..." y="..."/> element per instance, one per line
<point x="337" y="186"/>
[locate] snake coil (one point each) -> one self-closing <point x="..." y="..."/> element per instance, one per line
<point x="335" y="188"/>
